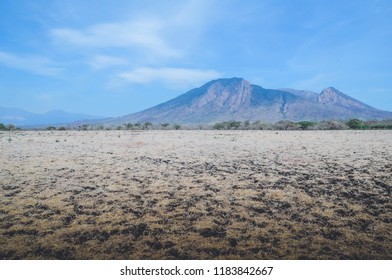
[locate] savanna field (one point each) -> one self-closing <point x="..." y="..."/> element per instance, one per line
<point x="196" y="195"/>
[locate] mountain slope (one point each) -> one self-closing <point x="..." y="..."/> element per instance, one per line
<point x="237" y="99"/>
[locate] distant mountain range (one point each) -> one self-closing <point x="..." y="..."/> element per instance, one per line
<point x="56" y="117"/>
<point x="223" y="100"/>
<point x="237" y="99"/>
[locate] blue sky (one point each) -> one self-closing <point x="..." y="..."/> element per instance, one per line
<point x="111" y="58"/>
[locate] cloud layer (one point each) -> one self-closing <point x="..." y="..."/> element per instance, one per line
<point x="146" y="75"/>
<point x="33" y="64"/>
<point x="141" y="34"/>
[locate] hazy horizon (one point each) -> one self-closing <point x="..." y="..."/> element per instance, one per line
<point x="112" y="60"/>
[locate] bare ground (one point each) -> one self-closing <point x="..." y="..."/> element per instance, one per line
<point x="196" y="195"/>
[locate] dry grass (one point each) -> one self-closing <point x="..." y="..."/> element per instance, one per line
<point x="196" y="195"/>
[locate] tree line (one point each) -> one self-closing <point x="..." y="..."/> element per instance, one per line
<point x="305" y="125"/>
<point x="355" y="124"/>
<point x="8" y="127"/>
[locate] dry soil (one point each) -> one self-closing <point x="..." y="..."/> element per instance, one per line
<point x="196" y="195"/>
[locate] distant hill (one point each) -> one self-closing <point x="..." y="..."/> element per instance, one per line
<point x="222" y="100"/>
<point x="56" y="117"/>
<point x="237" y="99"/>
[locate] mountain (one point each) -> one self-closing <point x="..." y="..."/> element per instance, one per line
<point x="222" y="100"/>
<point x="23" y="118"/>
<point x="237" y="99"/>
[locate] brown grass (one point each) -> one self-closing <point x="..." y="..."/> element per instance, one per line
<point x="196" y="195"/>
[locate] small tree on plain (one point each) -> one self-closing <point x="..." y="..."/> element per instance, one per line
<point x="219" y="126"/>
<point x="146" y="125"/>
<point x="129" y="126"/>
<point x="11" y="127"/>
<point x="305" y="124"/>
<point x="165" y="125"/>
<point x="355" y="124"/>
<point x="138" y="125"/>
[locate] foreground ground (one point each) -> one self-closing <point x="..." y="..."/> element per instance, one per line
<point x="196" y="195"/>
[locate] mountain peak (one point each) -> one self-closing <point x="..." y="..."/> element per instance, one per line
<point x="330" y="90"/>
<point x="227" y="81"/>
<point x="331" y="95"/>
<point x="235" y="98"/>
<point x="231" y="80"/>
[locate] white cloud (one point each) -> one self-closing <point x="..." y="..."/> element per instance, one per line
<point x="169" y="75"/>
<point x="142" y="34"/>
<point x="104" y="61"/>
<point x="33" y="64"/>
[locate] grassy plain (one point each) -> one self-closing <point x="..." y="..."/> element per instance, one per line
<point x="196" y="195"/>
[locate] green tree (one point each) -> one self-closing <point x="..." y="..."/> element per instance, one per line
<point x="285" y="125"/>
<point x="83" y="127"/>
<point x="11" y="127"/>
<point x="331" y="125"/>
<point x="355" y="124"/>
<point x="247" y="124"/>
<point x="177" y="126"/>
<point x="138" y="125"/>
<point x="305" y="124"/>
<point x="233" y="125"/>
<point x="146" y="125"/>
<point x="219" y="126"/>
<point x="129" y="126"/>
<point x="2" y="126"/>
<point x="164" y="125"/>
<point x="257" y="125"/>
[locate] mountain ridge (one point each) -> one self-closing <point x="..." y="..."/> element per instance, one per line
<point x="237" y="99"/>
<point x="224" y="99"/>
